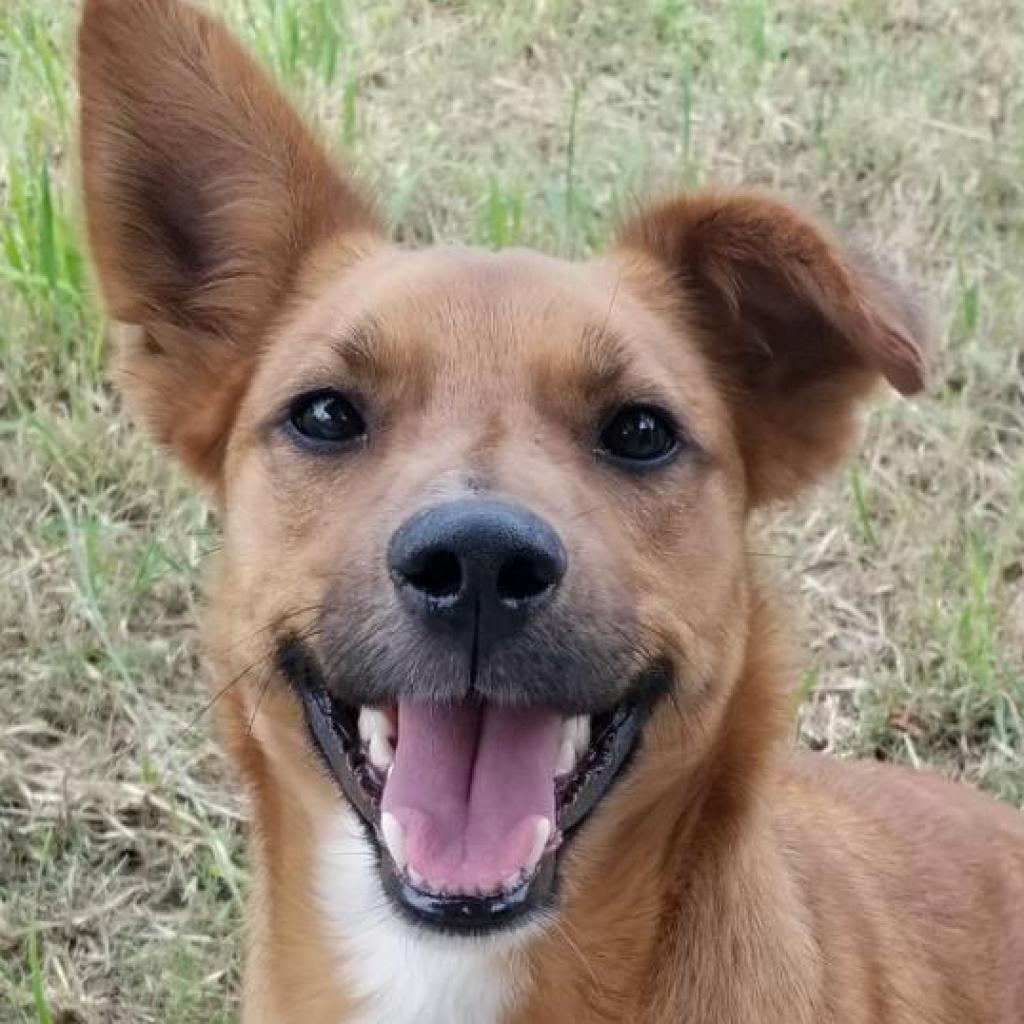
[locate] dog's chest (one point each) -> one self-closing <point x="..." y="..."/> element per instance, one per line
<point x="400" y="976"/>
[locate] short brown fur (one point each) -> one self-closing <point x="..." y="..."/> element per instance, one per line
<point x="724" y="880"/>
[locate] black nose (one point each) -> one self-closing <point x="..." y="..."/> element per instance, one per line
<point x="479" y="565"/>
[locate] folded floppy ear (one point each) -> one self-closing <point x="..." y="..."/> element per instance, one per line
<point x="797" y="331"/>
<point x="204" y="193"/>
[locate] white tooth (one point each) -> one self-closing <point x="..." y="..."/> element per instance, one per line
<point x="578" y="730"/>
<point x="375" y="723"/>
<point x="566" y="759"/>
<point x="512" y="881"/>
<point x="583" y="737"/>
<point x="380" y="753"/>
<point x="575" y="740"/>
<point x="540" y="841"/>
<point x="394" y="839"/>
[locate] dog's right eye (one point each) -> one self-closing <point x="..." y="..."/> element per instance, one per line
<point x="327" y="416"/>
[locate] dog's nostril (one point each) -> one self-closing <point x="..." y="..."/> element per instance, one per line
<point x="438" y="575"/>
<point x="475" y="560"/>
<point x="522" y="578"/>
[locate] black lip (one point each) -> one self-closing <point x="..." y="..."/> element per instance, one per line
<point x="469" y="915"/>
<point x="335" y="739"/>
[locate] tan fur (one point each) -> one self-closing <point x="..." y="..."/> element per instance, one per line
<point x="724" y="880"/>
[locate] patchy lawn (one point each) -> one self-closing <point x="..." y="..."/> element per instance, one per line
<point x="499" y="123"/>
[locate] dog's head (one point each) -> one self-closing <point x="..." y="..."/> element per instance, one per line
<point x="481" y="511"/>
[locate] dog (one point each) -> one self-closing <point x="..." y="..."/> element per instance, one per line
<point x="491" y="655"/>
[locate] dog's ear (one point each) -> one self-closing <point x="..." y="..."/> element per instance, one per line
<point x="204" y="193"/>
<point x="797" y="331"/>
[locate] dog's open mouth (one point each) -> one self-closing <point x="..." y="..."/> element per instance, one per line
<point x="469" y="803"/>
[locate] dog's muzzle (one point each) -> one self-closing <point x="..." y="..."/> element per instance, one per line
<point x="470" y="796"/>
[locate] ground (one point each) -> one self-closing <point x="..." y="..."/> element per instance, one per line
<point x="121" y="857"/>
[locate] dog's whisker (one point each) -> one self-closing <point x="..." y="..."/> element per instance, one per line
<point x="586" y="513"/>
<point x="266" y="683"/>
<point x="563" y="931"/>
<point x="611" y="301"/>
<point x="275" y="624"/>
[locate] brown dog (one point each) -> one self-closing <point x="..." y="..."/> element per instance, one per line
<point x="516" y="757"/>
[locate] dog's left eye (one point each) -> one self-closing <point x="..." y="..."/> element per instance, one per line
<point x="639" y="434"/>
<point x="327" y="416"/>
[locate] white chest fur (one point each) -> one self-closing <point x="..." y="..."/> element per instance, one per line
<point x="401" y="975"/>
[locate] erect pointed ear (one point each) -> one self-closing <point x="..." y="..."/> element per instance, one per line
<point x="797" y="331"/>
<point x="204" y="194"/>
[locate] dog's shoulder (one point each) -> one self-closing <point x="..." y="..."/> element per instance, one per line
<point x="888" y="858"/>
<point x="919" y="805"/>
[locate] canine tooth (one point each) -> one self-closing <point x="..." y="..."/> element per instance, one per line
<point x="566" y="758"/>
<point x="575" y="739"/>
<point x="577" y="729"/>
<point x="380" y="753"/>
<point x="540" y="841"/>
<point x="394" y="839"/>
<point x="375" y="723"/>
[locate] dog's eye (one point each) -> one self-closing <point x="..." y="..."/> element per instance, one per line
<point x="639" y="433"/>
<point x="327" y="416"/>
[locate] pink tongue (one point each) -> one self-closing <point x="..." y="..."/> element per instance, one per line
<point x="470" y="786"/>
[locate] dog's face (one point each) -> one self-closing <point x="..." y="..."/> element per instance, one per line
<point x="482" y="512"/>
<point x="492" y="507"/>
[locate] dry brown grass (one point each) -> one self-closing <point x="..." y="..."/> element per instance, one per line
<point x="534" y="122"/>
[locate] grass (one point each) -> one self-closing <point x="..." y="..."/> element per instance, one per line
<point x="121" y="868"/>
